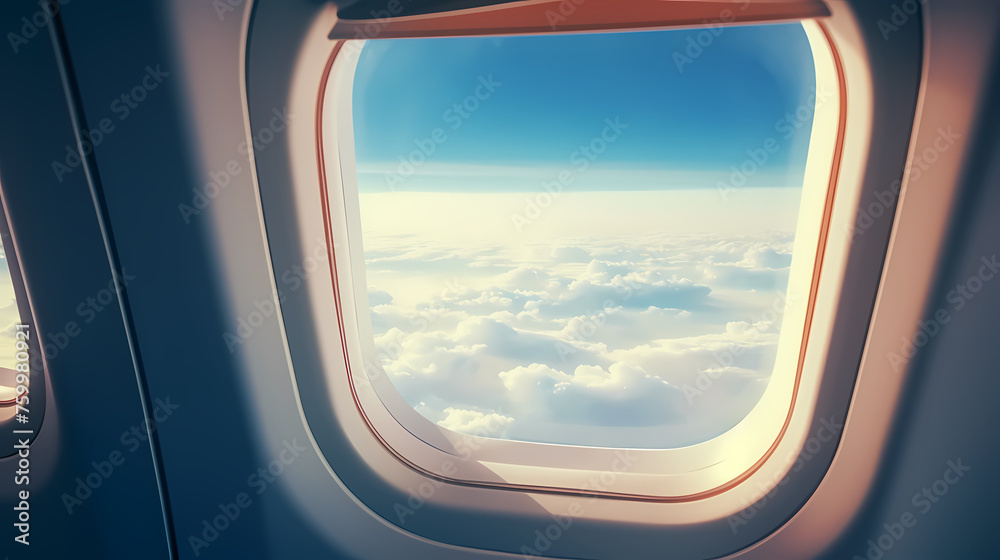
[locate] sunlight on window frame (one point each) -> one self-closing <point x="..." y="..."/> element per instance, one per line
<point x="668" y="475"/>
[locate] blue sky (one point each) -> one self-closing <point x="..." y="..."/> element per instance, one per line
<point x="592" y="316"/>
<point x="686" y="128"/>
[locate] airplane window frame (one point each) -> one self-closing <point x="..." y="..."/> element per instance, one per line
<point x="286" y="182"/>
<point x="13" y="431"/>
<point x="710" y="468"/>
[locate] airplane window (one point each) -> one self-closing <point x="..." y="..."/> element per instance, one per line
<point x="13" y="346"/>
<point x="584" y="239"/>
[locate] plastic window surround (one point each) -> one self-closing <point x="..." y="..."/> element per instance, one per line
<point x="674" y="475"/>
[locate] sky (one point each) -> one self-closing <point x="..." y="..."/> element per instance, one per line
<point x="552" y="93"/>
<point x="564" y="254"/>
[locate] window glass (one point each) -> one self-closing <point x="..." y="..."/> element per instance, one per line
<point x="9" y="315"/>
<point x="9" y="319"/>
<point x="585" y="238"/>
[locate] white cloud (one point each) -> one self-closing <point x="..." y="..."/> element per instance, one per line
<point x="584" y="339"/>
<point x="476" y="423"/>
<point x="379" y="297"/>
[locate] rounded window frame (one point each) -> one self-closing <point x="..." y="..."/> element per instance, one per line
<point x="37" y="393"/>
<point x="286" y="181"/>
<point x="677" y="475"/>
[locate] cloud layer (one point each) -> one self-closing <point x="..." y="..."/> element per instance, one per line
<point x="590" y="340"/>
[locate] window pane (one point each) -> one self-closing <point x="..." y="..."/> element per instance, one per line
<point x="9" y="319"/>
<point x="582" y="239"/>
<point x="9" y="315"/>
